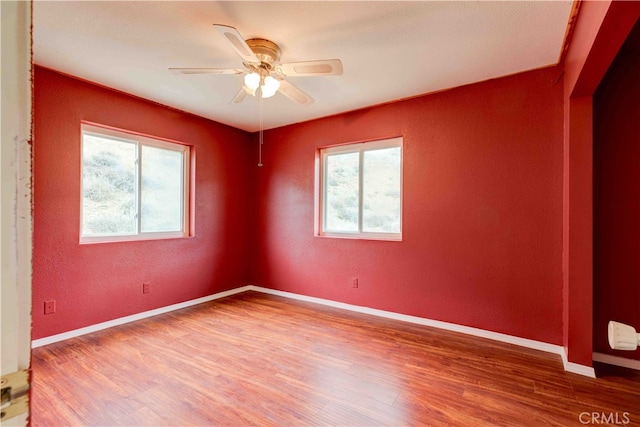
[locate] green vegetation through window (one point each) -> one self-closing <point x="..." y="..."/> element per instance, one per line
<point x="361" y="190"/>
<point x="133" y="187"/>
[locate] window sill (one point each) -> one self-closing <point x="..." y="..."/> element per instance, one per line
<point x="363" y="236"/>
<point x="90" y="240"/>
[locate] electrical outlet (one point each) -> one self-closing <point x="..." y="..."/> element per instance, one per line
<point x="146" y="288"/>
<point x="354" y="284"/>
<point x="50" y="307"/>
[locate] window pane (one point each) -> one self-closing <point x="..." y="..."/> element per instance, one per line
<point x="161" y="189"/>
<point x="108" y="186"/>
<point x="341" y="192"/>
<point x="381" y="191"/>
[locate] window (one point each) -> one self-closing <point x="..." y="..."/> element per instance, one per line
<point x="133" y="187"/>
<point x="361" y="190"/>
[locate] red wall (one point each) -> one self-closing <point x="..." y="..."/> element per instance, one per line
<point x="616" y="158"/>
<point x="98" y="282"/>
<point x="482" y="218"/>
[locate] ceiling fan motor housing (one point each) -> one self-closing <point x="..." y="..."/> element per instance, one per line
<point x="267" y="52"/>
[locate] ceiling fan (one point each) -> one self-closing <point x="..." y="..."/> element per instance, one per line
<point x="264" y="75"/>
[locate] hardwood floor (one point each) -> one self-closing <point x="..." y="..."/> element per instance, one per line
<point x="255" y="359"/>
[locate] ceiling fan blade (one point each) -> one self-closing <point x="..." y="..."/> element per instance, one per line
<point x="205" y="71"/>
<point x="295" y="94"/>
<point x="244" y="91"/>
<point x="239" y="96"/>
<point x="238" y="43"/>
<point x="325" y="67"/>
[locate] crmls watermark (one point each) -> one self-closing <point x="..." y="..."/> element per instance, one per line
<point x="615" y="418"/>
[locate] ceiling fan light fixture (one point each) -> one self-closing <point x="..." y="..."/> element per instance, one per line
<point x="269" y="87"/>
<point x="252" y="80"/>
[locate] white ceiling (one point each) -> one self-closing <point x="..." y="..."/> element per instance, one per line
<point x="389" y="50"/>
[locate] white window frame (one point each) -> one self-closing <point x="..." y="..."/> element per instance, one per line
<point x="361" y="148"/>
<point x="140" y="141"/>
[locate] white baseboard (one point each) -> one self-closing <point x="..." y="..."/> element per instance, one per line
<point x="576" y="368"/>
<point x="138" y="316"/>
<point x="617" y="361"/>
<point x="496" y="336"/>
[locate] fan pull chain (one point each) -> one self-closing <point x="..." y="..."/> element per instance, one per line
<point x="261" y="137"/>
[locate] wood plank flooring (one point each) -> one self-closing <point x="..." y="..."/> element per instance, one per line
<point x="255" y="359"/>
